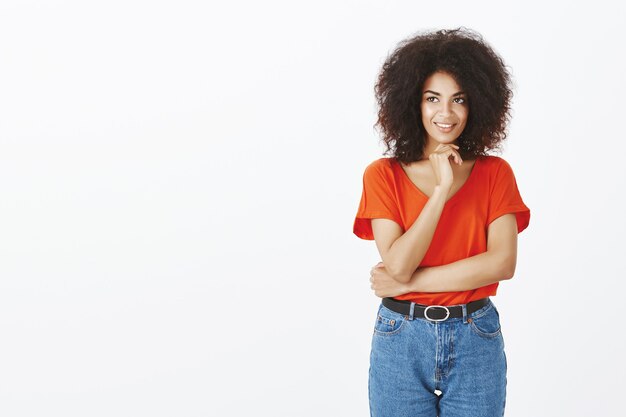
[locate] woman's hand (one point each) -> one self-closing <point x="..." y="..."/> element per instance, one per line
<point x="383" y="285"/>
<point x="440" y="163"/>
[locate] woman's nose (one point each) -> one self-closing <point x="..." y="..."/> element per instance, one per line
<point x="445" y="109"/>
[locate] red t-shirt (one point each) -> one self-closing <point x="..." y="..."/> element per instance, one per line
<point x="489" y="192"/>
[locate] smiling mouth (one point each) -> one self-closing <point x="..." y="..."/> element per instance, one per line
<point x="445" y="127"/>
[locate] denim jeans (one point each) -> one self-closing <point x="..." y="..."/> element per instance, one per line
<point x="462" y="358"/>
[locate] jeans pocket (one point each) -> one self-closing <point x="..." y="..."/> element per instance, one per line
<point x="388" y="322"/>
<point x="487" y="323"/>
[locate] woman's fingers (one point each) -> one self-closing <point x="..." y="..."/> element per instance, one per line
<point x="457" y="157"/>
<point x="443" y="145"/>
<point x="449" y="150"/>
<point x="441" y="163"/>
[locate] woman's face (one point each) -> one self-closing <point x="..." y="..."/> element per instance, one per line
<point x="444" y="108"/>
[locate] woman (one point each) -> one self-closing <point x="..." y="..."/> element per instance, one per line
<point x="445" y="217"/>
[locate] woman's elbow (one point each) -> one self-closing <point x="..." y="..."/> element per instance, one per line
<point x="508" y="269"/>
<point x="399" y="275"/>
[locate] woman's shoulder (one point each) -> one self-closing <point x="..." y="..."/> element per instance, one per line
<point x="493" y="161"/>
<point x="380" y="170"/>
<point x="381" y="165"/>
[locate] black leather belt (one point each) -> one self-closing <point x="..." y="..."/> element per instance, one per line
<point x="434" y="312"/>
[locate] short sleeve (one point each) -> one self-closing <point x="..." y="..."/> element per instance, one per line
<point x="505" y="197"/>
<point x="377" y="201"/>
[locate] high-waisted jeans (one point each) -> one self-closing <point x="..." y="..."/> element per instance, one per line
<point x="463" y="360"/>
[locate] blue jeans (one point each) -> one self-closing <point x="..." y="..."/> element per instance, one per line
<point x="462" y="359"/>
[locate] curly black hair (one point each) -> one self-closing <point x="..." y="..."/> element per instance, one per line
<point x="479" y="71"/>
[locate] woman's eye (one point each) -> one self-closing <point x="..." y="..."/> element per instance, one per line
<point x="459" y="100"/>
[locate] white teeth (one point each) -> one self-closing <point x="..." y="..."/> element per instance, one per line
<point x="442" y="125"/>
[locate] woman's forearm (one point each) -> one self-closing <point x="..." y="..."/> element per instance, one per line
<point x="407" y="252"/>
<point x="465" y="274"/>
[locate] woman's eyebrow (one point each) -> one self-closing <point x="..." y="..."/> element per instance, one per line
<point x="437" y="94"/>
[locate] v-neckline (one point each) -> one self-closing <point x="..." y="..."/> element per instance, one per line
<point x="415" y="187"/>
